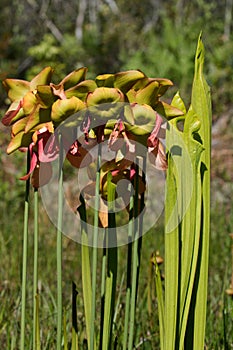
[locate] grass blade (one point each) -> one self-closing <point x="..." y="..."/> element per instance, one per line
<point x="37" y="325"/>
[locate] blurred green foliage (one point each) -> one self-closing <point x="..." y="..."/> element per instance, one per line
<point x="107" y="36"/>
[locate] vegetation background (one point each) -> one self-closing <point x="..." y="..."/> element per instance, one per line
<point x="158" y="37"/>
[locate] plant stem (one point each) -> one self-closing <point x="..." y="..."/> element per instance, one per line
<point x="104" y="257"/>
<point x="172" y="255"/>
<point x="129" y="273"/>
<point x="35" y="273"/>
<point x="111" y="267"/>
<point x="135" y="263"/>
<point x="24" y="267"/>
<point x="59" y="247"/>
<point x="133" y="203"/>
<point x="95" y="250"/>
<point x="86" y="269"/>
<point x="142" y="204"/>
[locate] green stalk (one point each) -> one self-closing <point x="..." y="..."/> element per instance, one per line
<point x="111" y="268"/>
<point x="59" y="247"/>
<point x="172" y="255"/>
<point x="86" y="269"/>
<point x="24" y="266"/>
<point x="137" y="245"/>
<point x="95" y="250"/>
<point x="142" y="204"/>
<point x="135" y="264"/>
<point x="129" y="272"/>
<point x="36" y="340"/>
<point x="103" y="272"/>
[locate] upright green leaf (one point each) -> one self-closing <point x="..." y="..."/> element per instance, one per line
<point x="190" y="233"/>
<point x="183" y="208"/>
<point x="201" y="102"/>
